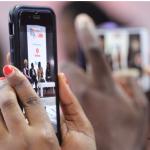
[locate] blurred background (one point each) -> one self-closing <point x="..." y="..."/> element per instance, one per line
<point x="123" y="28"/>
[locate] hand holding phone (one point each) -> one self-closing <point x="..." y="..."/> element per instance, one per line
<point x="33" y="51"/>
<point x="38" y="134"/>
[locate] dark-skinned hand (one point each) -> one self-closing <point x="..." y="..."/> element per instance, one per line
<point x="119" y="118"/>
<point x="16" y="133"/>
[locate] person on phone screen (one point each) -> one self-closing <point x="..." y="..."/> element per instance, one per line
<point x="40" y="73"/>
<point x="26" y="70"/>
<point x="134" y="54"/>
<point x="48" y="72"/>
<point x="33" y="76"/>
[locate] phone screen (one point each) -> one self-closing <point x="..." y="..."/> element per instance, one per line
<point x="115" y="45"/>
<point x="39" y="67"/>
<point x="127" y="49"/>
<point x="38" y="60"/>
<point x="123" y="49"/>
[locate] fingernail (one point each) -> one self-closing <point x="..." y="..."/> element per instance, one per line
<point x="65" y="78"/>
<point x="2" y="78"/>
<point x="7" y="70"/>
<point x="86" y="32"/>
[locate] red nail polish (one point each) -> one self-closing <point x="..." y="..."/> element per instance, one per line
<point x="2" y="78"/>
<point x="7" y="70"/>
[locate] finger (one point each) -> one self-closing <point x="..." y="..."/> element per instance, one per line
<point x="10" y="109"/>
<point x="122" y="81"/>
<point x="127" y="83"/>
<point x="35" y="112"/>
<point x="77" y="79"/>
<point x="74" y="116"/>
<point x="63" y="125"/>
<point x="121" y="77"/>
<point x="89" y="41"/>
<point x="3" y="128"/>
<point x="8" y="60"/>
<point x="139" y="101"/>
<point x="131" y="87"/>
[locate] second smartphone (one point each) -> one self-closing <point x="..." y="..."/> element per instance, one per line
<point x="32" y="32"/>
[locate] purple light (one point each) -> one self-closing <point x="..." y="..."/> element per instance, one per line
<point x="108" y="25"/>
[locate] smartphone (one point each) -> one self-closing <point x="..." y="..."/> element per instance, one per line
<point x="32" y="32"/>
<point x="127" y="49"/>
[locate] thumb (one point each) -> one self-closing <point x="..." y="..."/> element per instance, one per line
<point x="89" y="41"/>
<point x="8" y="60"/>
<point x="73" y="113"/>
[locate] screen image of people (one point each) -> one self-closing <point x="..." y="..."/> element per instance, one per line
<point x="39" y="70"/>
<point x="115" y="45"/>
<point x="134" y="53"/>
<point x="125" y="51"/>
<point x="122" y="49"/>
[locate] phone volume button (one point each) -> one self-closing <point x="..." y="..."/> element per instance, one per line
<point x="11" y="37"/>
<point x="11" y="28"/>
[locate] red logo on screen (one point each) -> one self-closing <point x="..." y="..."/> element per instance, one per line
<point x="37" y="52"/>
<point x="40" y="35"/>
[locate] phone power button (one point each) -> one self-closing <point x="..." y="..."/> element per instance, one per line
<point x="11" y="28"/>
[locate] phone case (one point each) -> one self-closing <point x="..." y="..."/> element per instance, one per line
<point x="14" y="31"/>
<point x="15" y="46"/>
